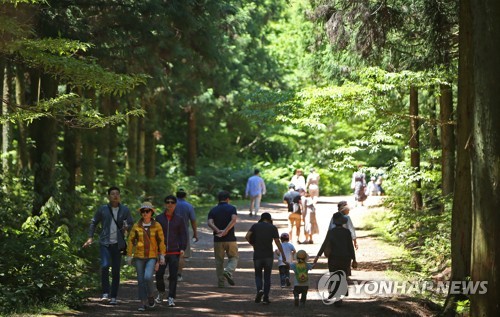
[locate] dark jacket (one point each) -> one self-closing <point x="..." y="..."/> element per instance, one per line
<point x="338" y="243"/>
<point x="174" y="231"/>
<point x="103" y="216"/>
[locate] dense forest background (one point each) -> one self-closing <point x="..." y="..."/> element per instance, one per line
<point x="153" y="95"/>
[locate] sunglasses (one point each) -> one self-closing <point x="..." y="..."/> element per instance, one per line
<point x="170" y="202"/>
<point x="143" y="211"/>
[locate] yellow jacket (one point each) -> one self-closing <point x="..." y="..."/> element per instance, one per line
<point x="148" y="243"/>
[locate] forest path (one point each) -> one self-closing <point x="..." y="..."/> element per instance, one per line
<point x="198" y="295"/>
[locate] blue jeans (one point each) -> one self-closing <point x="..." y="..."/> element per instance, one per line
<point x="110" y="257"/>
<point x="266" y="265"/>
<point x="284" y="273"/>
<point x="172" y="260"/>
<point x="145" y="269"/>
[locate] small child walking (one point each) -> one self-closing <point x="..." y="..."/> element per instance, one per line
<point x="289" y="250"/>
<point x="301" y="270"/>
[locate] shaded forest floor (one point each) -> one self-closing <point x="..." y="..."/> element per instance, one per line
<point x="198" y="294"/>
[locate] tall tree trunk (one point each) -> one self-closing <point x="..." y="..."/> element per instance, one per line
<point x="88" y="152"/>
<point x="132" y="151"/>
<point x="70" y="158"/>
<point x="108" y="143"/>
<point x="150" y="148"/>
<point x="112" y="133"/>
<point x="6" y="99"/>
<point x="461" y="214"/>
<point x="192" y="141"/>
<point x="485" y="159"/>
<point x="44" y="154"/>
<point x="433" y="133"/>
<point x="415" y="148"/>
<point x="22" y="134"/>
<point x="150" y="141"/>
<point x="88" y="159"/>
<point x="141" y="142"/>
<point x="447" y="140"/>
<point x="2" y="76"/>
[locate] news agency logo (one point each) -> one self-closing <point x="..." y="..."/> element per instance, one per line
<point x="419" y="287"/>
<point x="332" y="287"/>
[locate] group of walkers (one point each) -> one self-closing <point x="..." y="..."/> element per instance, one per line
<point x="362" y="189"/>
<point x="157" y="243"/>
<point x="153" y="245"/>
<point x="301" y="200"/>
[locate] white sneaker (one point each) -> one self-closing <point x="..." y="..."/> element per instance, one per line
<point x="179" y="278"/>
<point x="171" y="302"/>
<point x="105" y="297"/>
<point x="160" y="297"/>
<point x="113" y="301"/>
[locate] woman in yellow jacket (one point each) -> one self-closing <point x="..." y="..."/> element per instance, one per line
<point x="146" y="237"/>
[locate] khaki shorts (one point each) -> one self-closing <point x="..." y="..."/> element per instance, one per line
<point x="294" y="219"/>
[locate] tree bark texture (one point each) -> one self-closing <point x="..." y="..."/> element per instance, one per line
<point x="461" y="214"/>
<point x="70" y="157"/>
<point x="433" y="133"/>
<point x="485" y="159"/>
<point x="132" y="151"/>
<point x="417" y="203"/>
<point x="44" y="153"/>
<point x="150" y="141"/>
<point x="88" y="160"/>
<point x="6" y="99"/>
<point x="21" y="128"/>
<point x="141" y="146"/>
<point x="447" y="140"/>
<point x="192" y="141"/>
<point x="2" y="76"/>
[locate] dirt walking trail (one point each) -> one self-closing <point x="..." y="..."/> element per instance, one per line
<point x="198" y="294"/>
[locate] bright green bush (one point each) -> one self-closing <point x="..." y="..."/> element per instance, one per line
<point x="39" y="266"/>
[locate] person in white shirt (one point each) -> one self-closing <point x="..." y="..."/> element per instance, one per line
<point x="256" y="188"/>
<point x="284" y="268"/>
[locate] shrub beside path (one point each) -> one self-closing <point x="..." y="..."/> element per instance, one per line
<point x="198" y="294"/>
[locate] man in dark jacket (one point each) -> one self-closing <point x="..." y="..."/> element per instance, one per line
<point x="175" y="233"/>
<point x="115" y="218"/>
<point x="339" y="249"/>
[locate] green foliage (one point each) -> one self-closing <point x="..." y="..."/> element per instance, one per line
<point x="425" y="233"/>
<point x="39" y="265"/>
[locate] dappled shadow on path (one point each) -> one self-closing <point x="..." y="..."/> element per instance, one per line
<point x="198" y="295"/>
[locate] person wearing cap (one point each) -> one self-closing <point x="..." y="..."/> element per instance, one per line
<point x="221" y="219"/>
<point x="174" y="231"/>
<point x="115" y="218"/>
<point x="261" y="236"/>
<point x="338" y="248"/>
<point x="255" y="189"/>
<point x="146" y="245"/>
<point x="292" y="199"/>
<point x="186" y="211"/>
<point x="344" y="209"/>
<point x="284" y="268"/>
